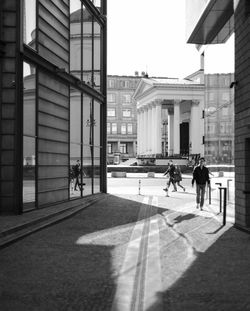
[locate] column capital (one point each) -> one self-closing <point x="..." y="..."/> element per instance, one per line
<point x="158" y="102"/>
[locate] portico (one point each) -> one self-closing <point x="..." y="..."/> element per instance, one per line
<point x="170" y="117"/>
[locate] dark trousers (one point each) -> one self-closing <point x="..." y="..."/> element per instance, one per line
<point x="200" y="193"/>
<point x="77" y="182"/>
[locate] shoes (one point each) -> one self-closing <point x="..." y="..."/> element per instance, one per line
<point x="197" y="206"/>
<point x="184" y="189"/>
<point x="167" y="195"/>
<point x="201" y="208"/>
<point x="174" y="190"/>
<point x="165" y="189"/>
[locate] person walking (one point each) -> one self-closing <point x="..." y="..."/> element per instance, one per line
<point x="201" y="177"/>
<point x="76" y="170"/>
<point x="178" y="177"/>
<point x="170" y="171"/>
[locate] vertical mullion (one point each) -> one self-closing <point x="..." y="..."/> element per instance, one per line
<point x="81" y="123"/>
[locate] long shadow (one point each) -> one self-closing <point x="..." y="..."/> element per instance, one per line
<point x="218" y="279"/>
<point x="71" y="265"/>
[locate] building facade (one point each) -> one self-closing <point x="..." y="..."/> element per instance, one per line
<point x="208" y="25"/>
<point x="121" y="118"/>
<point x="52" y="113"/>
<point x="170" y="117"/>
<point x="219" y="119"/>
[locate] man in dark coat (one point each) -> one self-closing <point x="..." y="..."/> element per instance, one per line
<point x="201" y="177"/>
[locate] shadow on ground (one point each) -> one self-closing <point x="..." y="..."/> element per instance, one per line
<point x="218" y="279"/>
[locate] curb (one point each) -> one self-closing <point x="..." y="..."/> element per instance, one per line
<point x="20" y="231"/>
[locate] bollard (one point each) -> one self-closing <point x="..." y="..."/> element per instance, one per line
<point x="219" y="183"/>
<point x="209" y="194"/>
<point x="224" y="204"/>
<point x="139" y="187"/>
<point x="228" y="188"/>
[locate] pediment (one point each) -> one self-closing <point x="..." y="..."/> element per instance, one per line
<point x="143" y="86"/>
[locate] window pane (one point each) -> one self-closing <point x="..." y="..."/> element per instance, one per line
<point x="97" y="55"/>
<point x="86" y="122"/>
<point x="96" y="170"/>
<point x="75" y="116"/>
<point x="87" y="169"/>
<point x="75" y="170"/>
<point x="75" y="38"/>
<point x="29" y="29"/>
<point x="88" y="42"/>
<point x="75" y="143"/>
<point x="96" y="123"/>
<point x="29" y="136"/>
<point x="114" y="128"/>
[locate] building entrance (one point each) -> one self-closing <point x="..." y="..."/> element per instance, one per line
<point x="184" y="138"/>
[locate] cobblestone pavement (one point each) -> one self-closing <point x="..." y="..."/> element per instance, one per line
<point x="131" y="252"/>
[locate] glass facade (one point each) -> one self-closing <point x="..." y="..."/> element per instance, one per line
<point x="29" y="136"/>
<point x="63" y="102"/>
<point x="219" y="119"/>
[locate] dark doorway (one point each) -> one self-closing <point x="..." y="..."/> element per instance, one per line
<point x="184" y="138"/>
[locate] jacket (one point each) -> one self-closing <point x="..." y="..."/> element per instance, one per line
<point x="201" y="176"/>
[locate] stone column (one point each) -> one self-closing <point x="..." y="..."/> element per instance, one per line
<point x="170" y="133"/>
<point x="144" y="133"/>
<point x="177" y="127"/>
<point x="195" y="128"/>
<point x="138" y="131"/>
<point x="153" y="126"/>
<point x="150" y="129"/>
<point x="158" y="127"/>
<point x="165" y="131"/>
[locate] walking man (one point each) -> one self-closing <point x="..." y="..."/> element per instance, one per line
<point x="170" y="171"/>
<point x="77" y="170"/>
<point x="201" y="177"/>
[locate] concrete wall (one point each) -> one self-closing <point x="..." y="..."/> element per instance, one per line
<point x="242" y="114"/>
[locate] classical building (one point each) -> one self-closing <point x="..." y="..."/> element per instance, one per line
<point x="213" y="22"/>
<point x="52" y="101"/>
<point x="121" y="118"/>
<point x="170" y="117"/>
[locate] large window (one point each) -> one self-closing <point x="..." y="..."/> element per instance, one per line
<point x="108" y="128"/>
<point x="126" y="98"/>
<point x="111" y="112"/>
<point x="126" y="113"/>
<point x="123" y="148"/>
<point x="29" y="136"/>
<point x="130" y="128"/>
<point x="111" y="97"/>
<point x="123" y="129"/>
<point x="114" y="128"/>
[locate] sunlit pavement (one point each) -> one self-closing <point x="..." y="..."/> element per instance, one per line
<point x="132" y="251"/>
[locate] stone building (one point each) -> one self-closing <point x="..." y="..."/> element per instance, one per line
<point x="170" y="117"/>
<point x="121" y="118"/>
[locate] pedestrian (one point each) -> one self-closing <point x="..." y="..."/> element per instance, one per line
<point x="201" y="177"/>
<point x="170" y="172"/>
<point x="178" y="177"/>
<point x="76" y="170"/>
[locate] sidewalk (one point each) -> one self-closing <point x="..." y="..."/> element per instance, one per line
<point x="164" y="252"/>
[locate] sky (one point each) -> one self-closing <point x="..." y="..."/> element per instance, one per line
<point x="146" y="35"/>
